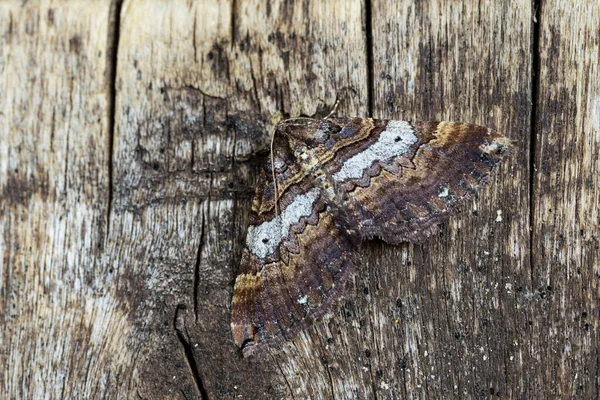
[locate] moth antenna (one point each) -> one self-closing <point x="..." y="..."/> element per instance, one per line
<point x="290" y="121"/>
<point x="334" y="109"/>
<point x="273" y="174"/>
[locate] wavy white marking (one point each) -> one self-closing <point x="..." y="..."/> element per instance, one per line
<point x="262" y="240"/>
<point x="394" y="141"/>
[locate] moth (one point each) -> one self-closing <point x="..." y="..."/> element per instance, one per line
<point x="331" y="184"/>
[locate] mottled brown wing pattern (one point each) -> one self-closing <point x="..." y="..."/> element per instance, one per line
<point x="444" y="165"/>
<point x="295" y="263"/>
<point x="340" y="180"/>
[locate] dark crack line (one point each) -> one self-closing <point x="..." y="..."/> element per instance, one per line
<point x="233" y="27"/>
<point x="197" y="266"/>
<point x="64" y="387"/>
<point x="535" y="84"/>
<point x="255" y="89"/>
<point x="52" y="129"/>
<point x="370" y="66"/>
<point x="192" y="88"/>
<point x="113" y="41"/>
<point x="189" y="356"/>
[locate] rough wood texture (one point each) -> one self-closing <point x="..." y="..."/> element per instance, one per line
<point x="59" y="308"/>
<point x="455" y="298"/>
<point x="125" y="184"/>
<point x="565" y="253"/>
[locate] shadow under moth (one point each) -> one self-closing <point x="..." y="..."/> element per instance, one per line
<point x="332" y="183"/>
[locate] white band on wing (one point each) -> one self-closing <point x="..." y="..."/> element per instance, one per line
<point x="262" y="240"/>
<point x="394" y="141"/>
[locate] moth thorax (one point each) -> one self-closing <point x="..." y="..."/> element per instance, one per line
<point x="301" y="153"/>
<point x="307" y="159"/>
<point x="325" y="182"/>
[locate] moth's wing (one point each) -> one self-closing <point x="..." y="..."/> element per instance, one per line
<point x="402" y="193"/>
<point x="294" y="266"/>
<point x="398" y="180"/>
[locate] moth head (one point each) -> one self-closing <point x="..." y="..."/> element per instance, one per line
<point x="311" y="132"/>
<point x="300" y="129"/>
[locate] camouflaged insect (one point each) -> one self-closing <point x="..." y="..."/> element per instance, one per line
<point x="341" y="181"/>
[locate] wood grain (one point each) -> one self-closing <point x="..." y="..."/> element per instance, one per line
<point x="126" y="179"/>
<point x="447" y="321"/>
<point x="198" y="88"/>
<point x="57" y="299"/>
<point x="566" y="218"/>
<point x="174" y="188"/>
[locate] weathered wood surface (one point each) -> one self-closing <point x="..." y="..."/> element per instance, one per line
<point x="129" y="137"/>
<point x="59" y="305"/>
<point x="565" y="252"/>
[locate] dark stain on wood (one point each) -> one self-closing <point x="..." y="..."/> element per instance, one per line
<point x="75" y="44"/>
<point x="19" y="190"/>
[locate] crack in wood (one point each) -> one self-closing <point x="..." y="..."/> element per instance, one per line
<point x="535" y="84"/>
<point x="233" y="27"/>
<point x="112" y="54"/>
<point x="369" y="48"/>
<point x="189" y="354"/>
<point x="197" y="266"/>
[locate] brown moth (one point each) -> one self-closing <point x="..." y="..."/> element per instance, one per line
<point x="339" y="181"/>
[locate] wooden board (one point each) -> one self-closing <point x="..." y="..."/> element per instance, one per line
<point x="566" y="214"/>
<point x="60" y="316"/>
<point x="126" y="177"/>
<point x="446" y="317"/>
